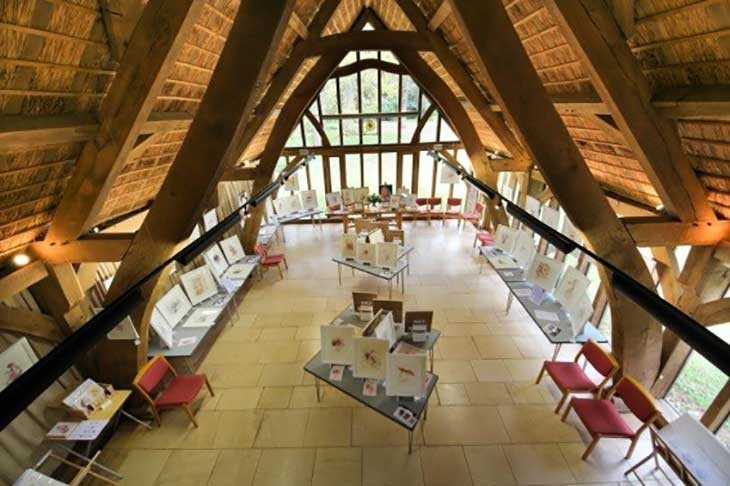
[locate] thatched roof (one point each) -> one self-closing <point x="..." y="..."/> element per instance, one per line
<point x="56" y="59"/>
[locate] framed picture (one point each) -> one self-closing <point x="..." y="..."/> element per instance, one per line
<point x="524" y="249"/>
<point x="572" y="285"/>
<point x="550" y="217"/>
<point x="349" y="242"/>
<point x="202" y="317"/>
<point x="365" y="253"/>
<point x="385" y="191"/>
<point x="504" y="238"/>
<point x="214" y="257"/>
<point x="195" y="234"/>
<point x="376" y="236"/>
<point x="199" y="284"/>
<point x="449" y="175"/>
<point x="571" y="231"/>
<point x="406" y="375"/>
<point x="292" y="182"/>
<point x="361" y="194"/>
<point x="309" y="199"/>
<point x="348" y="196"/>
<point x="162" y="328"/>
<point x="333" y="199"/>
<point x="363" y="298"/>
<point x="239" y="271"/>
<point x="370" y="357"/>
<point x="387" y="255"/>
<point x="394" y="306"/>
<point x="15" y="361"/>
<point x="232" y="249"/>
<point x="337" y="344"/>
<point x="174" y="305"/>
<point x="384" y="328"/>
<point x="544" y="272"/>
<point x="395" y="201"/>
<point x="580" y="313"/>
<point x="295" y="204"/>
<point x="280" y="205"/>
<point x="419" y="321"/>
<point x="124" y="331"/>
<point x="409" y="201"/>
<point x="532" y="206"/>
<point x="210" y="219"/>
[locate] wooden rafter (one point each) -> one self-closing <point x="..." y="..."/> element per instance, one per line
<point x="359" y="66"/>
<point x="148" y="61"/>
<point x="97" y="247"/>
<point x="422" y="123"/>
<point x="441" y="14"/>
<point x="661" y="231"/>
<point x="120" y="17"/>
<point x="239" y="174"/>
<point x="401" y="148"/>
<point x="365" y="40"/>
<point x="22" y="278"/>
<point x="29" y="323"/>
<point x="318" y="127"/>
<point x="592" y="32"/>
<point x="714" y="312"/>
<point x="636" y="338"/>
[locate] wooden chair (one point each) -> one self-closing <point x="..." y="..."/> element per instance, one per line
<point x="269" y="260"/>
<point x="483" y="237"/>
<point x="602" y="419"/>
<point x="474" y="218"/>
<point x="364" y="226"/>
<point x="178" y="392"/>
<point x="570" y="377"/>
<point x="452" y="210"/>
<point x="423" y="209"/>
<point x="434" y="207"/>
<point x="395" y="234"/>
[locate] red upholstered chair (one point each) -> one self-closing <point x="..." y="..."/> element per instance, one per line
<point x="268" y="260"/>
<point x="570" y="377"/>
<point x="473" y="217"/>
<point x="177" y="392"/>
<point x="484" y="238"/>
<point x="452" y="209"/>
<point x="423" y="208"/>
<point x="602" y="418"/>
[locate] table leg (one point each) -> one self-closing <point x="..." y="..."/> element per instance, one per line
<point x="403" y="285"/>
<point x="135" y="419"/>
<point x="410" y="441"/>
<point x="316" y="386"/>
<point x="87" y="459"/>
<point x="430" y="354"/>
<point x="557" y="351"/>
<point x="390" y="288"/>
<point x="510" y="298"/>
<point x="339" y="274"/>
<point x="408" y="263"/>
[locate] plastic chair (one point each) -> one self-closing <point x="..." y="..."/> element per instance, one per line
<point x="268" y="260"/>
<point x="452" y="210"/>
<point x="602" y="419"/>
<point x="178" y="392"/>
<point x="570" y="377"/>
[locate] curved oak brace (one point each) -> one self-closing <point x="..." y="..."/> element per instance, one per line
<point x="359" y="66"/>
<point x="422" y="123"/>
<point x="318" y="126"/>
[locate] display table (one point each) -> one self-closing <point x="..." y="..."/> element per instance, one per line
<point x="381" y="403"/>
<point x="267" y="232"/>
<point x="692" y="451"/>
<point x="380" y="272"/>
<point x="377" y="213"/>
<point x="559" y="331"/>
<point x="304" y="213"/>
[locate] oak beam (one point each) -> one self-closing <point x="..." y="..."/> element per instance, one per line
<point x="101" y="247"/>
<point x="363" y="64"/>
<point x="714" y="312"/>
<point x="591" y="31"/>
<point x="658" y="231"/>
<point x="239" y="174"/>
<point x="510" y="165"/>
<point x="364" y="40"/>
<point x="24" y="322"/>
<point x="22" y="278"/>
<point x="371" y="149"/>
<point x="636" y="337"/>
<point x="147" y="63"/>
<point x="441" y="14"/>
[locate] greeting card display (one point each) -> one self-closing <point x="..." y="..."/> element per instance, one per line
<point x="333" y="200"/>
<point x="202" y="317"/>
<point x="571" y="231"/>
<point x="232" y="249"/>
<point x="387" y="255"/>
<point x="280" y="205"/>
<point x="348" y="196"/>
<point x="309" y="199"/>
<point x="532" y="206"/>
<point x="210" y="219"/>
<point x="361" y="195"/>
<point x="544" y="272"/>
<point x="162" y="328"/>
<point x="418" y="324"/>
<point x="409" y="201"/>
<point x="550" y="217"/>
<point x="370" y="357"/>
<point x="363" y="299"/>
<point x="376" y="236"/>
<point x="572" y="285"/>
<point x="394" y="306"/>
<point x="15" y="361"/>
<point x="504" y="238"/>
<point x="580" y="313"/>
<point x="239" y="271"/>
<point x="406" y="375"/>
<point x="88" y="397"/>
<point x="502" y="262"/>
<point x="124" y="331"/>
<point x="365" y="253"/>
<point x="395" y="201"/>
<point x="382" y="327"/>
<point x="524" y="249"/>
<point x="294" y="204"/>
<point x="337" y="345"/>
<point x="449" y="175"/>
<point x="199" y="284"/>
<point x="349" y="242"/>
<point x="292" y="182"/>
<point x="214" y="257"/>
<point x="174" y="305"/>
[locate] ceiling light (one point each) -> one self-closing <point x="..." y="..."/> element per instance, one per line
<point x="21" y="260"/>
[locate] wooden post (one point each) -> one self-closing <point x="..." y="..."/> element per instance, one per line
<point x="636" y="337"/>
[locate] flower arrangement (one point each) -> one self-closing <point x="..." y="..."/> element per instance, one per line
<point x="374" y="199"/>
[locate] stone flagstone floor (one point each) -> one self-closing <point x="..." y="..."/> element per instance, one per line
<point x="488" y="423"/>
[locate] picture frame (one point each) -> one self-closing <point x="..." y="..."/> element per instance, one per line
<point x="18" y="358"/>
<point x="333" y="200"/>
<point x="280" y="206"/>
<point x="232" y="249"/>
<point x="580" y="313"/>
<point x="420" y="320"/>
<point x="210" y="219"/>
<point x="409" y="201"/>
<point x="295" y="204"/>
<point x="361" y="195"/>
<point x="292" y="182"/>
<point x="449" y="175"/>
<point x="337" y="344"/>
<point x="569" y="230"/>
<point x="124" y="331"/>
<point x="366" y="253"/>
<point x="532" y="206"/>
<point x="383" y="327"/>
<point x="162" y="328"/>
<point x="348" y="196"/>
<point x="370" y="357"/>
<point x="406" y="375"/>
<point x="309" y="199"/>
<point x="524" y="248"/>
<point x="214" y="257"/>
<point x="199" y="284"/>
<point x="363" y="298"/>
<point x="544" y="272"/>
<point x="550" y="217"/>
<point x="504" y="238"/>
<point x="348" y="247"/>
<point x="387" y="255"/>
<point x="376" y="236"/>
<point x="202" y="317"/>
<point x="572" y="285"/>
<point x="395" y="201"/>
<point x="174" y="305"/>
<point x="394" y="306"/>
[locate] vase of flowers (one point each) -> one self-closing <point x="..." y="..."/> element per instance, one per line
<point x="374" y="199"/>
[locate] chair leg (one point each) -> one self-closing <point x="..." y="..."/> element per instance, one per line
<point x="567" y="411"/>
<point x="634" y="441"/>
<point x="474" y="245"/>
<point x="190" y="415"/>
<point x="286" y="264"/>
<point x="281" y="273"/>
<point x="562" y="401"/>
<point x="210" y="388"/>
<point x="591" y="446"/>
<point x="539" y="375"/>
<point x="156" y="415"/>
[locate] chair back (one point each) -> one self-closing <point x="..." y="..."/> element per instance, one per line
<point x="601" y="360"/>
<point x="152" y="374"/>
<point x="260" y="249"/>
<point x="421" y="201"/>
<point x="453" y="202"/>
<point x="392" y="234"/>
<point x="636" y="397"/>
<point x="434" y="202"/>
<point x="362" y="225"/>
<point x="479" y="208"/>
